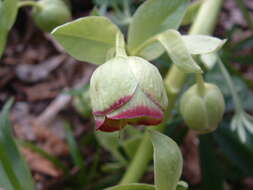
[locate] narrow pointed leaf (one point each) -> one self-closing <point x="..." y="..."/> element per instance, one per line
<point x="178" y="51"/>
<point x="168" y="161"/>
<point x="90" y="39"/>
<point x="73" y="147"/>
<point x="150" y="19"/>
<point x="12" y="166"/>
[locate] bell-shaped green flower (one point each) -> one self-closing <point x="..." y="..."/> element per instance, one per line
<point x="202" y="111"/>
<point x="50" y="14"/>
<point x="127" y="90"/>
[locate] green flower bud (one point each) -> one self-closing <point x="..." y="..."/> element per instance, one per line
<point x="127" y="90"/>
<point x="51" y="14"/>
<point x="202" y="111"/>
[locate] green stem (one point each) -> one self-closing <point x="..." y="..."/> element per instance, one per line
<point x="207" y="17"/>
<point x="120" y="45"/>
<point x="29" y="3"/>
<point x="245" y="13"/>
<point x="200" y="84"/>
<point x="231" y="86"/>
<point x="174" y="81"/>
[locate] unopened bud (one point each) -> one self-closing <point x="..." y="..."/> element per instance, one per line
<point x="202" y="112"/>
<point x="127" y="90"/>
<point x="51" y="14"/>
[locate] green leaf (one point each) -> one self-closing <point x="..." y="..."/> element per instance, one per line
<point x="178" y="52"/>
<point x="13" y="169"/>
<point x="234" y="149"/>
<point x="242" y="126"/>
<point x="202" y="44"/>
<point x="191" y="12"/>
<point x="210" y="170"/>
<point x="150" y="50"/>
<point x="8" y="13"/>
<point x="134" y="186"/>
<point x="168" y="161"/>
<point x="73" y="147"/>
<point x="81" y="177"/>
<point x="151" y="18"/>
<point x="90" y="39"/>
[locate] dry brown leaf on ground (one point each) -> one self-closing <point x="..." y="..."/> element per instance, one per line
<point x="39" y="164"/>
<point x="38" y="72"/>
<point x="50" y="142"/>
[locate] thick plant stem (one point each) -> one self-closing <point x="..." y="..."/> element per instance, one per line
<point x="206" y="18"/>
<point x="174" y="81"/>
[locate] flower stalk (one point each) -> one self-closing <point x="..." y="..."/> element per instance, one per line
<point x="174" y="82"/>
<point x="200" y="84"/>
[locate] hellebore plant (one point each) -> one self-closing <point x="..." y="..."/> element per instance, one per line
<point x="133" y="93"/>
<point x="126" y="89"/>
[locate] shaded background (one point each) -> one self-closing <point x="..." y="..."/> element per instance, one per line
<point x="44" y="81"/>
